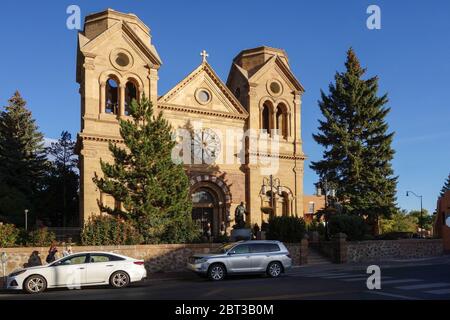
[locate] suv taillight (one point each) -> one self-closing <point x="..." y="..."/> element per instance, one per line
<point x="139" y="263"/>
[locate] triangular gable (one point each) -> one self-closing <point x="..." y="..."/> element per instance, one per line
<point x="204" y="76"/>
<point x="148" y="51"/>
<point x="286" y="73"/>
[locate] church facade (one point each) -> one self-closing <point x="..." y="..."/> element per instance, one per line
<point x="240" y="141"/>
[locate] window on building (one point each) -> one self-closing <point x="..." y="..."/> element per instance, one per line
<point x="266" y="117"/>
<point x="282" y="121"/>
<point x="112" y="97"/>
<point x="311" y="207"/>
<point x="130" y="94"/>
<point x="202" y="196"/>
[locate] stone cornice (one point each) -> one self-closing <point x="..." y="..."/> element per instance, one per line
<point x="94" y="137"/>
<point x="181" y="108"/>
<point x="280" y="156"/>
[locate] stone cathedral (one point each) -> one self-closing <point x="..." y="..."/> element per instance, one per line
<point x="118" y="61"/>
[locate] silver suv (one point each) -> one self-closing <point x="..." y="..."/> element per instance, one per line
<point x="254" y="256"/>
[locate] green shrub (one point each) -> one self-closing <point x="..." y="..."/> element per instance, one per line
<point x="286" y="229"/>
<point x="222" y="239"/>
<point x="9" y="235"/>
<point x="107" y="230"/>
<point x="40" y="238"/>
<point x="352" y="225"/>
<point x="316" y="226"/>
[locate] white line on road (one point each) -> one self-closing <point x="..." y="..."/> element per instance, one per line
<point x="398" y="296"/>
<point x="439" y="291"/>
<point x="424" y="286"/>
<point x="355" y="279"/>
<point x="342" y="276"/>
<point x="400" y="281"/>
<point x="314" y="275"/>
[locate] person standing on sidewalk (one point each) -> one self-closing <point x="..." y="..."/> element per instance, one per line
<point x="52" y="252"/>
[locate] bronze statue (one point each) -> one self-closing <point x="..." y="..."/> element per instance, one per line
<point x="239" y="214"/>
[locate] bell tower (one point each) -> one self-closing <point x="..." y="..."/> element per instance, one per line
<point x="262" y="80"/>
<point x="116" y="62"/>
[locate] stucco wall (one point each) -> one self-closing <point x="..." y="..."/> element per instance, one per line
<point x="378" y="250"/>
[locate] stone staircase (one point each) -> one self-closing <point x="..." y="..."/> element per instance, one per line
<point x="316" y="258"/>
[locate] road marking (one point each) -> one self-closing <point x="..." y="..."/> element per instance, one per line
<point x="348" y="275"/>
<point x="399" y="281"/>
<point x="300" y="296"/>
<point x="356" y="279"/>
<point x="439" y="291"/>
<point x="343" y="277"/>
<point x="424" y="286"/>
<point x="398" y="296"/>
<point x="324" y="274"/>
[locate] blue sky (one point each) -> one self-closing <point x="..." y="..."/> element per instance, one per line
<point x="410" y="54"/>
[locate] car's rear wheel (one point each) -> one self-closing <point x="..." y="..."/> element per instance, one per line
<point x="216" y="272"/>
<point x="35" y="284"/>
<point x="119" y="279"/>
<point x="274" y="269"/>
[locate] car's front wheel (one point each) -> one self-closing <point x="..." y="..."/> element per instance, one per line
<point x="274" y="269"/>
<point x="216" y="272"/>
<point x="119" y="279"/>
<point x="35" y="284"/>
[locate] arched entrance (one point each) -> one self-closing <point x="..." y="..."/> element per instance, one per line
<point x="204" y="209"/>
<point x="210" y="204"/>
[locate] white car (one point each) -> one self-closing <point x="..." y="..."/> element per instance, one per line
<point x="77" y="270"/>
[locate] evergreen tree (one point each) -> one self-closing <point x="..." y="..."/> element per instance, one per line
<point x="153" y="190"/>
<point x="59" y="197"/>
<point x="22" y="160"/>
<point x="357" y="156"/>
<point x="446" y="186"/>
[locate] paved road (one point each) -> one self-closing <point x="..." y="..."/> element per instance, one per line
<point x="421" y="279"/>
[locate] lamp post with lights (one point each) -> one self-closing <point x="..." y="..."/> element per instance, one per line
<point x="421" y="209"/>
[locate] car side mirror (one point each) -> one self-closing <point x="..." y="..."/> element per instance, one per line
<point x="230" y="253"/>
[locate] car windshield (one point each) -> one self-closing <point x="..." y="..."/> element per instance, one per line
<point x="223" y="249"/>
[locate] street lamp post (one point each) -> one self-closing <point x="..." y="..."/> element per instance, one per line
<point x="323" y="186"/>
<point x="421" y="210"/>
<point x="271" y="182"/>
<point x="26" y="219"/>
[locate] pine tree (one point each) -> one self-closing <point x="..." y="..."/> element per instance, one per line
<point x="22" y="160"/>
<point x="446" y="186"/>
<point x="59" y="196"/>
<point x="153" y="190"/>
<point x="357" y="156"/>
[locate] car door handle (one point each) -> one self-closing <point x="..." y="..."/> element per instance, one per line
<point x="249" y="256"/>
<point x="110" y="265"/>
<point x="82" y="268"/>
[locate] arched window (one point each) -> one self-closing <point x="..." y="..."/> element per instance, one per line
<point x="282" y="120"/>
<point x="111" y="97"/>
<point x="265" y="119"/>
<point x="202" y="196"/>
<point x="130" y="94"/>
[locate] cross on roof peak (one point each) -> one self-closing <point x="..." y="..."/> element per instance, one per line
<point x="204" y="55"/>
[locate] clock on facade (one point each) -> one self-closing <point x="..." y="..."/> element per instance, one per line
<point x="205" y="146"/>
